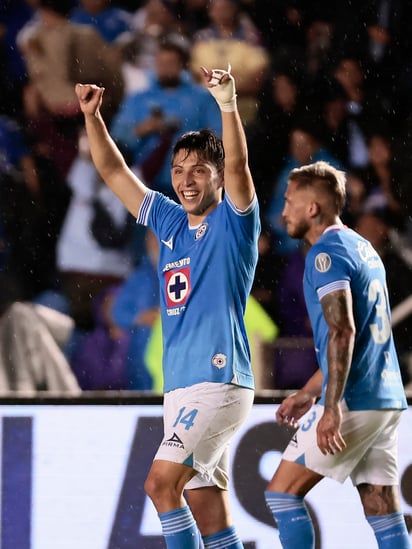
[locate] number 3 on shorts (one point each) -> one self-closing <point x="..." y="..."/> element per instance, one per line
<point x="187" y="418"/>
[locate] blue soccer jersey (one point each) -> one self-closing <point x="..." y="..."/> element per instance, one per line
<point x="341" y="258"/>
<point x="205" y="273"/>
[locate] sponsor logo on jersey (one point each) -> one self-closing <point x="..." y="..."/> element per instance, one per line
<point x="391" y="377"/>
<point x="168" y="243"/>
<point x="368" y="254"/>
<point x="201" y="231"/>
<point x="174" y="441"/>
<point x="323" y="262"/>
<point x="177" y="264"/>
<point x="219" y="360"/>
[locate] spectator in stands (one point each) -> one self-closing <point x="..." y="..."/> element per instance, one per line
<point x="381" y="176"/>
<point x="149" y="122"/>
<point x="109" y="21"/>
<point x="99" y="357"/>
<point x="367" y="110"/>
<point x="232" y="36"/>
<point x="128" y="47"/>
<point x="33" y="202"/>
<point x="58" y="54"/>
<point x="318" y="49"/>
<point x="384" y="43"/>
<point x="282" y="26"/>
<point x="195" y="16"/>
<point x="334" y="120"/>
<point x="14" y="14"/>
<point x="86" y="264"/>
<point x="266" y="275"/>
<point x="293" y="365"/>
<point x="32" y="338"/>
<point x="305" y="146"/>
<point x="281" y="105"/>
<point x="152" y="21"/>
<point x="135" y="309"/>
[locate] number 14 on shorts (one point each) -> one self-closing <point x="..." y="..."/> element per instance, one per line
<point x="186" y="417"/>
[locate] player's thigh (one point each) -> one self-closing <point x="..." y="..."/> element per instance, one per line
<point x="360" y="430"/>
<point x="199" y="423"/>
<point x="379" y="463"/>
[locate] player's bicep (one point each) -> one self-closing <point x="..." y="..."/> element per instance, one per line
<point x="129" y="189"/>
<point x="337" y="310"/>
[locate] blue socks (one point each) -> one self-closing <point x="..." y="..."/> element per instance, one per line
<point x="390" y="531"/>
<point x="296" y="529"/>
<point x="179" y="529"/>
<point x="180" y="532"/>
<point x="293" y="520"/>
<point x="226" y="539"/>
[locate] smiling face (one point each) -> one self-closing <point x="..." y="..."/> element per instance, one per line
<point x="197" y="183"/>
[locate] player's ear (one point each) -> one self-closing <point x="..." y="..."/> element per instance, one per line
<point x="314" y="209"/>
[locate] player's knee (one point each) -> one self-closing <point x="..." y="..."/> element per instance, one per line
<point x="157" y="485"/>
<point x="151" y="486"/>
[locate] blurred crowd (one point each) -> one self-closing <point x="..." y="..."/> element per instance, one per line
<point x="315" y="81"/>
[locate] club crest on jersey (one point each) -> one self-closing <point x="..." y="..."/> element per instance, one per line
<point x="201" y="231"/>
<point x="177" y="286"/>
<point x="219" y="360"/>
<point x="323" y="262"/>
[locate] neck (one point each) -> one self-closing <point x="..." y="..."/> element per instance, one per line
<point x="52" y="19"/>
<point x="317" y="229"/>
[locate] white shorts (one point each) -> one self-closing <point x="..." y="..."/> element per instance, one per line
<point x="370" y="455"/>
<point x="199" y="423"/>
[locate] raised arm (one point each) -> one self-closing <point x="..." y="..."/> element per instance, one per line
<point x="238" y="180"/>
<point x="106" y="156"/>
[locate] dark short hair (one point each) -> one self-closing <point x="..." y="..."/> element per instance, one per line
<point x="205" y="143"/>
<point x="177" y="43"/>
<point x="326" y="178"/>
<point x="62" y="7"/>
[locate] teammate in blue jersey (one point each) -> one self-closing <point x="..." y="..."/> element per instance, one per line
<point x="208" y="255"/>
<point x="352" y="430"/>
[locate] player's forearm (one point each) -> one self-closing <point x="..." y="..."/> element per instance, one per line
<point x="105" y="154"/>
<point x="314" y="385"/>
<point x="238" y="179"/>
<point x="340" y="349"/>
<point x="234" y="141"/>
<point x="337" y="309"/>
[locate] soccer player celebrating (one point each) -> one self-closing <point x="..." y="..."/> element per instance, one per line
<point x="352" y="430"/>
<point x="208" y="255"/>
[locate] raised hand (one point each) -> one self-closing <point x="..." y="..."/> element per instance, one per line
<point x="90" y="97"/>
<point x="221" y="85"/>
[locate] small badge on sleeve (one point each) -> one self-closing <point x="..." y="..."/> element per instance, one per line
<point x="323" y="262"/>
